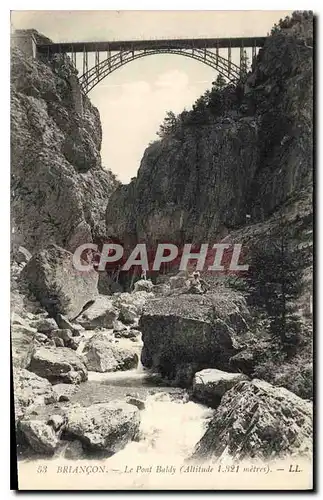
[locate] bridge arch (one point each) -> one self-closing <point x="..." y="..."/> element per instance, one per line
<point x="90" y="78"/>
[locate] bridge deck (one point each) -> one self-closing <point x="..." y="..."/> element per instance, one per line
<point x="185" y="43"/>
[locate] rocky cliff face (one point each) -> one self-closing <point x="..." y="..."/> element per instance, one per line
<point x="59" y="188"/>
<point x="247" y="157"/>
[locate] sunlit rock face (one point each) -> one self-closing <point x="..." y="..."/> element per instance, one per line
<point x="59" y="188"/>
<point x="258" y="420"/>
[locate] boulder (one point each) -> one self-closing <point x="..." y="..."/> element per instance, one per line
<point x="64" y="335"/>
<point x="210" y="384"/>
<point x="74" y="343"/>
<point x="73" y="450"/>
<point x="139" y="403"/>
<point x="57" y="422"/>
<point x="58" y="365"/>
<point x="41" y="338"/>
<point x="104" y="426"/>
<point x="22" y="345"/>
<point x="45" y="325"/>
<point x="128" y="334"/>
<point x="191" y="330"/>
<point x="58" y="342"/>
<point x="131" y="305"/>
<point x="178" y="281"/>
<point x="119" y="327"/>
<point x="248" y="358"/>
<point x="64" y="392"/>
<point x="63" y="323"/>
<point x="161" y="289"/>
<point x="40" y="436"/>
<point x="256" y="420"/>
<point x="17" y="319"/>
<point x="30" y="389"/>
<point x="101" y="355"/>
<point x="22" y="255"/>
<point x="143" y="286"/>
<point x="60" y="288"/>
<point x="101" y="314"/>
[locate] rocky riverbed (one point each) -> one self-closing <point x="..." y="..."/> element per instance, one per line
<point x="89" y="388"/>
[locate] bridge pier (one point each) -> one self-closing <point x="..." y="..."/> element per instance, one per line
<point x="25" y="41"/>
<point x="76" y="94"/>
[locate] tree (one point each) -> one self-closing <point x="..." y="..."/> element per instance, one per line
<point x="274" y="282"/>
<point x="219" y="82"/>
<point x="168" y="127"/>
<point x="244" y="64"/>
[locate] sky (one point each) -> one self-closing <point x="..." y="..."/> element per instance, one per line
<point x="133" y="100"/>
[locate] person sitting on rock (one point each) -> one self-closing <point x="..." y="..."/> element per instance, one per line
<point x="196" y="284"/>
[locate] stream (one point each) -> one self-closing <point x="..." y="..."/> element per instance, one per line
<point x="170" y="427"/>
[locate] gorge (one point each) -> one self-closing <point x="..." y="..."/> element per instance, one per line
<point x="108" y="365"/>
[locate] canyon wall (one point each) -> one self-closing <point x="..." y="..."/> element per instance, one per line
<point x="242" y="158"/>
<point x="59" y="188"/>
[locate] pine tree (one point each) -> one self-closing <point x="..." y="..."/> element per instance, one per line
<point x="274" y="282"/>
<point x="168" y="127"/>
<point x="244" y="64"/>
<point x="219" y="82"/>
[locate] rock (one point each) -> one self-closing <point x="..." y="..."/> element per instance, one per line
<point x="63" y="197"/>
<point x="30" y="389"/>
<point x="75" y="343"/>
<point x="161" y="289"/>
<point x="101" y="314"/>
<point x="64" y="335"/>
<point x="129" y="315"/>
<point x="134" y="333"/>
<point x="128" y="334"/>
<point x="210" y="384"/>
<point x="64" y="392"/>
<point x="104" y="426"/>
<point x="58" y="342"/>
<point x="247" y="359"/>
<point x="58" y="365"/>
<point x="45" y="325"/>
<point x="74" y="450"/>
<point x="136" y="402"/>
<point x="131" y="305"/>
<point x="56" y="422"/>
<point x="22" y="255"/>
<point x="41" y="437"/>
<point x="63" y="324"/>
<point x="256" y="420"/>
<point x="119" y="327"/>
<point x="22" y="345"/>
<point x="184" y="374"/>
<point x="101" y="355"/>
<point x="178" y="281"/>
<point x="106" y="285"/>
<point x="41" y="337"/>
<point x="191" y="329"/>
<point x="17" y="319"/>
<point x="30" y="316"/>
<point x="143" y="286"/>
<point x="59" y="287"/>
